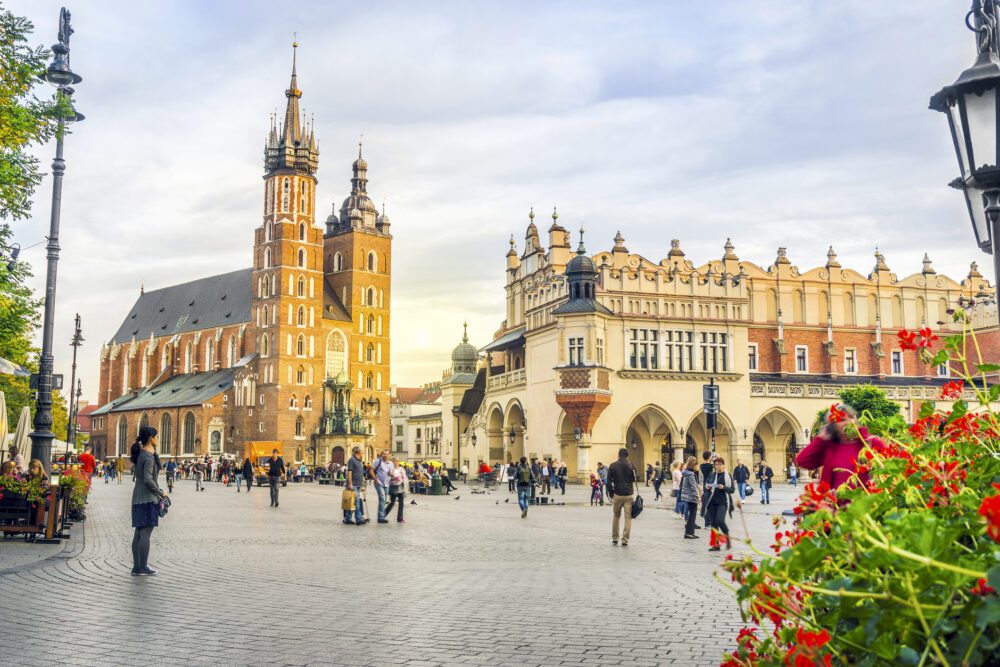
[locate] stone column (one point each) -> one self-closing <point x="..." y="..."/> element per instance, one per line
<point x="583" y="459"/>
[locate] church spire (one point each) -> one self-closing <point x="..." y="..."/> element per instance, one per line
<point x="292" y="130"/>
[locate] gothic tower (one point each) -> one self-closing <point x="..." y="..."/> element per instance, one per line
<point x="357" y="250"/>
<point x="287" y="303"/>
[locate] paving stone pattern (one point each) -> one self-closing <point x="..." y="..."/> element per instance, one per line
<point x="465" y="581"/>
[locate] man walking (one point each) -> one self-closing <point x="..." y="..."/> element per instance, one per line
<point x="621" y="487"/>
<point x="649" y="473"/>
<point x="764" y="476"/>
<point x="512" y="477"/>
<point x="793" y="473"/>
<point x="356" y="482"/>
<point x="742" y="475"/>
<point x="561" y="475"/>
<point x="87" y="462"/>
<point x="526" y="478"/>
<point x="275" y="471"/>
<point x="171" y="470"/>
<point x="381" y="472"/>
<point x="546" y="476"/>
<point x="602" y="474"/>
<point x="199" y="475"/>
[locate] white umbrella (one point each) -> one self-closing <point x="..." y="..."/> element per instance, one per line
<point x="8" y="367"/>
<point x="21" y="432"/>
<point x="3" y="425"/>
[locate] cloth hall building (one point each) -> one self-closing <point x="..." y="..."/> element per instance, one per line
<point x="611" y="349"/>
<point x="293" y="349"/>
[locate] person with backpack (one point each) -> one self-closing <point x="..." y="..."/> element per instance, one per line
<point x="690" y="496"/>
<point x="171" y="472"/>
<point x="526" y="480"/>
<point x="621" y="489"/>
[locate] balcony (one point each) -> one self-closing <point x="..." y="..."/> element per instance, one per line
<point x="506" y="380"/>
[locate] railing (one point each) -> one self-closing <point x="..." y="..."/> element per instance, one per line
<point x="826" y="391"/>
<point x="509" y="379"/>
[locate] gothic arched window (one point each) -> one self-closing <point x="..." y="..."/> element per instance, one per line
<point x="165" y="434"/>
<point x="372" y="261"/>
<point x="298" y="426"/>
<point x="335" y="354"/>
<point x="300" y="375"/>
<point x="302" y="257"/>
<point x="302" y="286"/>
<point x="338" y="262"/>
<point x="123" y="443"/>
<point x="268" y="231"/>
<point x="189" y="433"/>
<point x="301" y="317"/>
<point x="370" y="353"/>
<point x="267" y="258"/>
<point x="302" y="231"/>
<point x="232" y="352"/>
<point x="284" y="197"/>
<point x="209" y="355"/>
<point x="300" y="346"/>
<point x="308" y="402"/>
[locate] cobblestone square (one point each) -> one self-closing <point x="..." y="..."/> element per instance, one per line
<point x="464" y="581"/>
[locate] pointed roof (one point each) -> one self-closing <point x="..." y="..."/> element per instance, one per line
<point x="291" y="130"/>
<point x="293" y="147"/>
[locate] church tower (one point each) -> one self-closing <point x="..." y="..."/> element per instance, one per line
<point x="287" y="303"/>
<point x="357" y="252"/>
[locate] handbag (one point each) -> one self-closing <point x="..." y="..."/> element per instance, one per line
<point x="637" y="506"/>
<point x="347" y="500"/>
<point x="748" y="491"/>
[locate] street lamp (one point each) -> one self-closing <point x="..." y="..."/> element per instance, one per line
<point x="512" y="435"/>
<point x="76" y="342"/>
<point x="473" y="438"/>
<point x="61" y="76"/>
<point x="972" y="105"/>
<point x="578" y="434"/>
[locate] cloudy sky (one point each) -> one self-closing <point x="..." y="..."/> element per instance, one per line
<point x="798" y="124"/>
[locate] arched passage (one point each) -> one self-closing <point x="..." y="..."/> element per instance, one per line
<point x="494" y="433"/>
<point x="698" y="438"/>
<point x="514" y="427"/>
<point x="649" y="438"/>
<point x="337" y="455"/>
<point x="776" y="439"/>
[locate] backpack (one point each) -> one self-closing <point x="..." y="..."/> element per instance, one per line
<point x="523" y="475"/>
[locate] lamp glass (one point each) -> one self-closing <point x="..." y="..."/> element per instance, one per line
<point x="977" y="213"/>
<point x="981" y="116"/>
<point x="958" y="137"/>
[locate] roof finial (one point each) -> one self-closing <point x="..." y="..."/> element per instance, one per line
<point x="581" y="250"/>
<point x="295" y="49"/>
<point x="361" y="140"/>
<point x="465" y="331"/>
<point x="531" y="213"/>
<point x="555" y="214"/>
<point x="142" y="287"/>
<point x="511" y="241"/>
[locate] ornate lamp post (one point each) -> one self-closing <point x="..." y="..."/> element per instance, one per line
<point x="61" y="76"/>
<point x="972" y="105"/>
<point x="73" y="405"/>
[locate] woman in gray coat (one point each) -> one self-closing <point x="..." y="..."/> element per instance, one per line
<point x="146" y="495"/>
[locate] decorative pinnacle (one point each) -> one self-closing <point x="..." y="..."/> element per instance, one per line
<point x="361" y="140"/>
<point x="531" y="214"/>
<point x="511" y="241"/>
<point x="555" y="214"/>
<point x="465" y="331"/>
<point x="581" y="250"/>
<point x="831" y="258"/>
<point x="928" y="268"/>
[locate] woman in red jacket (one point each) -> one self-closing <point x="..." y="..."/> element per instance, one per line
<point x="835" y="449"/>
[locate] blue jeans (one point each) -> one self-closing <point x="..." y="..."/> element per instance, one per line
<point x="359" y="508"/>
<point x="382" y="499"/>
<point x="742" y="488"/>
<point x="765" y="492"/>
<point x="523" y="496"/>
<point x="239" y="482"/>
<point x="794" y="479"/>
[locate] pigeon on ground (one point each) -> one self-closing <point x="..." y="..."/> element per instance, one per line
<point x="506" y="501"/>
<point x="413" y="502"/>
<point x="457" y="497"/>
<point x="498" y="502"/>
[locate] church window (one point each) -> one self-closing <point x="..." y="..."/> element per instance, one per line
<point x="188" y="358"/>
<point x="267" y="258"/>
<point x="298" y="426"/>
<point x="371" y="325"/>
<point x="302" y="231"/>
<point x="369" y="381"/>
<point x="291" y="285"/>
<point x="361" y="379"/>
<point x="372" y="261"/>
<point x="209" y="355"/>
<point x="123" y="443"/>
<point x="268" y="231"/>
<point x="300" y="346"/>
<point x="288" y="344"/>
<point x="379" y="325"/>
<point x="274" y="287"/>
<point x="311" y="287"/>
<point x="338" y="262"/>
<point x="302" y="257"/>
<point x="381" y="299"/>
<point x="302" y="286"/>
<point x="308" y="402"/>
<point x="370" y="353"/>
<point x="303" y="199"/>
<point x="371" y="297"/>
<point x="125" y="374"/>
<point x="164" y="356"/>
<point x="378" y="382"/>
<point x="378" y="356"/>
<point x="312" y="346"/>
<point x="361" y="354"/>
<point x="312" y="316"/>
<point x="264" y="345"/>
<point x="284" y="197"/>
<point x="335" y="349"/>
<point x="293" y="402"/>
<point x="300" y="375"/>
<point x="264" y="318"/>
<point x="189" y="433"/>
<point x="165" y="434"/>
<point x="301" y="317"/>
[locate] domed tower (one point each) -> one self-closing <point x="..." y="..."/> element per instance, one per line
<point x="581" y="274"/>
<point x="465" y="355"/>
<point x="357" y="253"/>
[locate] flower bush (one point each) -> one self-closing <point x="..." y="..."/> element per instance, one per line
<point x="78" y="486"/>
<point x="900" y="569"/>
<point x="29" y="488"/>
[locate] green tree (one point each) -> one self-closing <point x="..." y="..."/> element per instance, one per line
<point x="867" y="398"/>
<point x="25" y="120"/>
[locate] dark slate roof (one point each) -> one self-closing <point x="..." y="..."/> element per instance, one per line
<point x="180" y="390"/>
<point x="200" y="304"/>
<point x="582" y="306"/>
<point x="473" y="398"/>
<point x="512" y="338"/>
<point x="333" y="309"/>
<point x="887" y="381"/>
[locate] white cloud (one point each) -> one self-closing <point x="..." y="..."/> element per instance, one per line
<point x="773" y="123"/>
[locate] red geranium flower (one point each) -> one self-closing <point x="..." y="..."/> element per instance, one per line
<point x="816" y="497"/>
<point x="927" y="337"/>
<point x="981" y="588"/>
<point x="952" y="390"/>
<point x="990" y="508"/>
<point x="836" y="414"/>
<point x="907" y="339"/>
<point x="808" y="652"/>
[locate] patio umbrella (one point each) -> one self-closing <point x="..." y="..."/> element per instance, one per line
<point x="8" y="367"/>
<point x="3" y="426"/>
<point x="22" y="430"/>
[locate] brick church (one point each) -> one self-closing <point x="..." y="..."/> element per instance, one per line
<point x="294" y="349"/>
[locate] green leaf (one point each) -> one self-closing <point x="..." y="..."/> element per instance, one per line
<point x="908" y="656"/>
<point x="927" y="408"/>
<point x="958" y="410"/>
<point x="993" y="577"/>
<point x="989" y="368"/>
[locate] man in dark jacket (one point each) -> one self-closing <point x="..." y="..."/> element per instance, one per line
<point x="621" y="487"/>
<point x="741" y="474"/>
<point x="248" y="473"/>
<point x="275" y="471"/>
<point x="764" y="475"/>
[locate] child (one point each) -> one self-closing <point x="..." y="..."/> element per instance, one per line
<point x="596" y="492"/>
